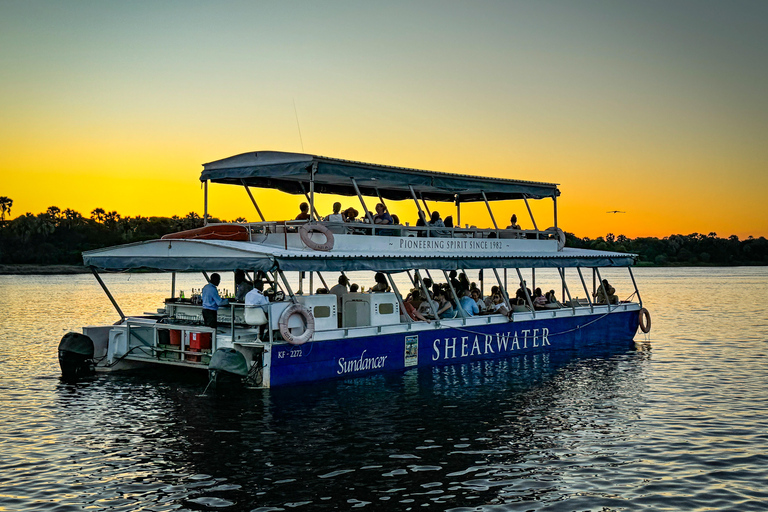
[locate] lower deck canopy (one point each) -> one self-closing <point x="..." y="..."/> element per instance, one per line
<point x="212" y="255"/>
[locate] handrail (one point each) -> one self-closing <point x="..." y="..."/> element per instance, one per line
<point x="364" y="228"/>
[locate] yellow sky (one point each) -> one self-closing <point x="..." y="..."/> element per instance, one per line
<point x="658" y="111"/>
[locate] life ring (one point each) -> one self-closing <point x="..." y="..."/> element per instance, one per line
<point x="560" y="234"/>
<point x="305" y="232"/>
<point x="285" y="331"/>
<point x="645" y="320"/>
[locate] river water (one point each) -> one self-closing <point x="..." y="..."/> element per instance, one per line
<point x="680" y="422"/>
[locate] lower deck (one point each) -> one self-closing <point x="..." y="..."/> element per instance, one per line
<point x="339" y="352"/>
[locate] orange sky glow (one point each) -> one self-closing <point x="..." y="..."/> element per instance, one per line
<point x="657" y="110"/>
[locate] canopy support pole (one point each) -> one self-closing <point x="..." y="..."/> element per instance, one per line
<point x="584" y="284"/>
<point x="205" y="203"/>
<point x="427" y="295"/>
<point x="605" y="292"/>
<point x="311" y="283"/>
<point x="323" y="280"/>
<point x="173" y="285"/>
<point x="458" y="211"/>
<point x="362" y="201"/>
<point x="525" y="291"/>
<point x="640" y="299"/>
<point x="312" y="210"/>
<point x="503" y="289"/>
<point x="565" y="288"/>
<point x="109" y="294"/>
<point x="531" y="214"/>
<point x="258" y="210"/>
<point x="287" y="286"/>
<point x="554" y="200"/>
<point x="461" y="311"/>
<point x="399" y="298"/>
<point x="312" y="192"/>
<point x="496" y="226"/>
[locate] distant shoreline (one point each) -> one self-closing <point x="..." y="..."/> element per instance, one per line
<point x="45" y="270"/>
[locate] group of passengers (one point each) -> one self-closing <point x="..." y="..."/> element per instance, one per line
<point x="438" y="227"/>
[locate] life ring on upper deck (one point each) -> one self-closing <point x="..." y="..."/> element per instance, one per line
<point x="285" y="331"/>
<point x="305" y="232"/>
<point x="560" y="234"/>
<point x="645" y="320"/>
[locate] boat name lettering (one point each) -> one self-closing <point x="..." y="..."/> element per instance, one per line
<point x="436" y="243"/>
<point x="360" y="364"/>
<point x="451" y="348"/>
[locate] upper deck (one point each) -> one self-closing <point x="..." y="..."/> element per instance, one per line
<point x="317" y="245"/>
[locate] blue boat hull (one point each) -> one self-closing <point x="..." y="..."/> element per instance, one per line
<point x="354" y="357"/>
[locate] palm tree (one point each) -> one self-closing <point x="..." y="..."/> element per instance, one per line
<point x="5" y="204"/>
<point x="98" y="214"/>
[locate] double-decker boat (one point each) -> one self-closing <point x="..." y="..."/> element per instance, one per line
<point x="300" y="337"/>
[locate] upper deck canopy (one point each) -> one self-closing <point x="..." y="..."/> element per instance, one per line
<point x="291" y="172"/>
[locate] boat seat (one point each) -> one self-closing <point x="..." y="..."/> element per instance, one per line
<point x="254" y="315"/>
<point x="519" y="308"/>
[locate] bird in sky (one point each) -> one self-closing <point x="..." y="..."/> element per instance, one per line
<point x="615" y="211"/>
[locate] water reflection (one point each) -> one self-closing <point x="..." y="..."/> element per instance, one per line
<point x="447" y="436"/>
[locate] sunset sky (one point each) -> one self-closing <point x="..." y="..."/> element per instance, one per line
<point x="658" y="109"/>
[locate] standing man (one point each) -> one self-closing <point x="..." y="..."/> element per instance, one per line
<point x="212" y="301"/>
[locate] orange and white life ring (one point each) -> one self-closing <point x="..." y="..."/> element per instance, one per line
<point x="560" y="234"/>
<point x="305" y="232"/>
<point x="645" y="320"/>
<point x="285" y="331"/>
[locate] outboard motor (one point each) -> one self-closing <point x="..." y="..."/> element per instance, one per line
<point x="76" y="356"/>
<point x="227" y="369"/>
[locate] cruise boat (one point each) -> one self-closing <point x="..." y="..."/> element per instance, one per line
<point x="301" y="337"/>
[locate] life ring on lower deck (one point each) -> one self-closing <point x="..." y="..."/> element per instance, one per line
<point x="560" y="234"/>
<point x="305" y="232"/>
<point x="645" y="320"/>
<point x="285" y="331"/>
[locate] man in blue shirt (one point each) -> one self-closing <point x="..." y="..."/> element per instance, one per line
<point x="212" y="301"/>
<point x="467" y="303"/>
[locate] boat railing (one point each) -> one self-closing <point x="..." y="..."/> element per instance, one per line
<point x="363" y="228"/>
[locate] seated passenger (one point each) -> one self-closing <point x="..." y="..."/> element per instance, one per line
<point x="354" y="288"/>
<point x="444" y="306"/>
<point x="475" y="294"/>
<point x="383" y="218"/>
<point x="381" y="283"/>
<point x="336" y="216"/>
<point x="538" y="298"/>
<point x="437" y="222"/>
<point x="304" y="214"/>
<point x="411" y="309"/>
<point x="322" y="291"/>
<point x="602" y="298"/>
<point x="513" y="223"/>
<point x="468" y="304"/>
<point x="520" y="294"/>
<point x="489" y="300"/>
<point x="498" y="305"/>
<point x="421" y="223"/>
<point x="340" y="289"/>
<point x="255" y="297"/>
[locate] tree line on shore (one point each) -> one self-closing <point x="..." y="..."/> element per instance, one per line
<point x="58" y="237"/>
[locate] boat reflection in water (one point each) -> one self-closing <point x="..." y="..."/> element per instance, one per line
<point x="531" y="427"/>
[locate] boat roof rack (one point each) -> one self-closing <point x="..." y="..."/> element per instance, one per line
<point x="290" y="172"/>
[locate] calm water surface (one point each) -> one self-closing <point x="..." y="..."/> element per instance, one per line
<point x="680" y="422"/>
